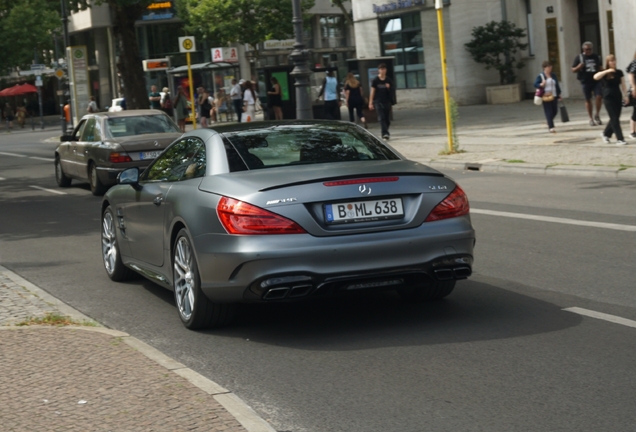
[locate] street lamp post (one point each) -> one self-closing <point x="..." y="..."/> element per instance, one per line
<point x="301" y="71"/>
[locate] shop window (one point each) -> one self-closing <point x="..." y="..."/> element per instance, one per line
<point x="401" y="37"/>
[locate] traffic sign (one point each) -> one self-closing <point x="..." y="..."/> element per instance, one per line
<point x="38" y="81"/>
<point x="187" y="44"/>
<point x="38" y="66"/>
<point x="59" y="73"/>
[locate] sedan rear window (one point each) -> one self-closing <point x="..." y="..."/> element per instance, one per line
<point x="293" y="145"/>
<point x="139" y="125"/>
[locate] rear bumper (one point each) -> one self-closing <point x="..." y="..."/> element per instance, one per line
<point x="288" y="267"/>
<point x="108" y="176"/>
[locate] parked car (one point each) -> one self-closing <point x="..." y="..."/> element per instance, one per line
<point x="104" y="144"/>
<point x="283" y="211"/>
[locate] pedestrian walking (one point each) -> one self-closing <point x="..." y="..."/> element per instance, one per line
<point x="20" y="115"/>
<point x="154" y="97"/>
<point x="166" y="102"/>
<point x="613" y="95"/>
<point x="275" y="99"/>
<point x="236" y="94"/>
<point x="204" y="101"/>
<point x="180" y="104"/>
<point x="92" y="105"/>
<point x="585" y="66"/>
<point x="382" y="99"/>
<point x="249" y="101"/>
<point x="8" y="115"/>
<point x="330" y="92"/>
<point x="549" y="83"/>
<point x="631" y="95"/>
<point x="354" y="99"/>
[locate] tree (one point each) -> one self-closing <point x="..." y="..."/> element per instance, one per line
<point x="496" y="45"/>
<point x="243" y="21"/>
<point x="124" y="14"/>
<point x="347" y="15"/>
<point x="26" y="28"/>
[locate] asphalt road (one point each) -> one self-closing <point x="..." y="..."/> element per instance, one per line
<point x="500" y="354"/>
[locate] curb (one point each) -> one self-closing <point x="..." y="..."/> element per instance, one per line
<point x="537" y="169"/>
<point x="246" y="416"/>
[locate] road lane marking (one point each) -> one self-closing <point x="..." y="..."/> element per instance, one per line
<point x="48" y="190"/>
<point x="2" y="178"/>
<point x="602" y="316"/>
<point x="41" y="158"/>
<point x="12" y="154"/>
<point x="613" y="226"/>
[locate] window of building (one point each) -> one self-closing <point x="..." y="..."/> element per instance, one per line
<point x="401" y="37"/>
<point x="332" y="32"/>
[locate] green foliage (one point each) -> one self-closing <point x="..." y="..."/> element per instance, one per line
<point x="26" y="27"/>
<point x="454" y="115"/>
<point x="496" y="45"/>
<point x="243" y="21"/>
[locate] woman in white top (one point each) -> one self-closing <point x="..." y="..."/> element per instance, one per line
<point x="551" y="93"/>
<point x="249" y="100"/>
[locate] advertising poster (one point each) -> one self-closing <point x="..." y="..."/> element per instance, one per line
<point x="284" y="84"/>
<point x="78" y="76"/>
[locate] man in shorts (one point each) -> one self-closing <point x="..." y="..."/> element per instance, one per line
<point x="585" y="66"/>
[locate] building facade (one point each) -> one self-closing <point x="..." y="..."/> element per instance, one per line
<point x="407" y="30"/>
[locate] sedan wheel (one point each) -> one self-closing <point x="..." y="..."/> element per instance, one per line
<point x="110" y="249"/>
<point x="60" y="177"/>
<point x="434" y="290"/>
<point x="97" y="187"/>
<point x="195" y="309"/>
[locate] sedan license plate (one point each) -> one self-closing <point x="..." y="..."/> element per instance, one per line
<point x="149" y="155"/>
<point x="364" y="211"/>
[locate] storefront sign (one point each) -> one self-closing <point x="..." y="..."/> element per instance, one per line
<point x="279" y="44"/>
<point x="224" y="54"/>
<point x="396" y="5"/>
<point x="156" y="64"/>
<point x="159" y="11"/>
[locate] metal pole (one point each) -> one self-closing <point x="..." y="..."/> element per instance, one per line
<point x="193" y="115"/>
<point x="442" y="47"/>
<point x="64" y="88"/>
<point x="301" y="71"/>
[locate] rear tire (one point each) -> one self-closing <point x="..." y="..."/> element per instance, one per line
<point x="115" y="268"/>
<point x="195" y="309"/>
<point x="434" y="290"/>
<point x="60" y="177"/>
<point x="97" y="187"/>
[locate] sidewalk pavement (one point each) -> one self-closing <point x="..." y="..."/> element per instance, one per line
<point x="87" y="377"/>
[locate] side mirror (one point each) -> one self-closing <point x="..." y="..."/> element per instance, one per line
<point x="129" y="176"/>
<point x="66" y="138"/>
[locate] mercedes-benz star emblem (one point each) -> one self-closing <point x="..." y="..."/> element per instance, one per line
<point x="156" y="143"/>
<point x="364" y="190"/>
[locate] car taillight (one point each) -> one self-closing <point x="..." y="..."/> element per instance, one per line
<point x="119" y="158"/>
<point x="238" y="217"/>
<point x="454" y="205"/>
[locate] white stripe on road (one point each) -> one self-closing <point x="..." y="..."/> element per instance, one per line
<point x="12" y="154"/>
<point x="48" y="190"/>
<point x="41" y="158"/>
<point x="2" y="178"/>
<point x="602" y="316"/>
<point x="618" y="227"/>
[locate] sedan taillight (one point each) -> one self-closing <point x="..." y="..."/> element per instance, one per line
<point x="119" y="158"/>
<point x="238" y="217"/>
<point x="454" y="205"/>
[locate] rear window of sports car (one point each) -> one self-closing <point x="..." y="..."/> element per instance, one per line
<point x="275" y="147"/>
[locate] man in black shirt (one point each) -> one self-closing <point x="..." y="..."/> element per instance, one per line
<point x="585" y="66"/>
<point x="381" y="99"/>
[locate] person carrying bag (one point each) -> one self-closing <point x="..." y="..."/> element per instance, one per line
<point x="551" y="94"/>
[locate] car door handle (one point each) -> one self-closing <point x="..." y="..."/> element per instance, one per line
<point x="158" y="200"/>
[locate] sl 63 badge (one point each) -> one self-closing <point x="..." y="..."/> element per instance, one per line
<point x="281" y="201"/>
<point x="437" y="187"/>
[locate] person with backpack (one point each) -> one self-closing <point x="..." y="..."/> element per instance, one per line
<point x="585" y="66"/>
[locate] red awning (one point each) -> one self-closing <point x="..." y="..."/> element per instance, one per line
<point x="18" y="90"/>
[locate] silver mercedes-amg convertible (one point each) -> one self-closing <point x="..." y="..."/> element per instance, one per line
<point x="283" y="211"/>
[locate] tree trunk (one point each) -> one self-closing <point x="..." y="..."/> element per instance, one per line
<point x="129" y="66"/>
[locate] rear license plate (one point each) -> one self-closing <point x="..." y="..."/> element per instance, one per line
<point x="149" y="155"/>
<point x="364" y="211"/>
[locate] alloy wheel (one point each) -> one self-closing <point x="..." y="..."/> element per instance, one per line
<point x="184" y="281"/>
<point x="109" y="248"/>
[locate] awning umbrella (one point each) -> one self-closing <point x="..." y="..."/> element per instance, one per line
<point x="23" y="89"/>
<point x="9" y="90"/>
